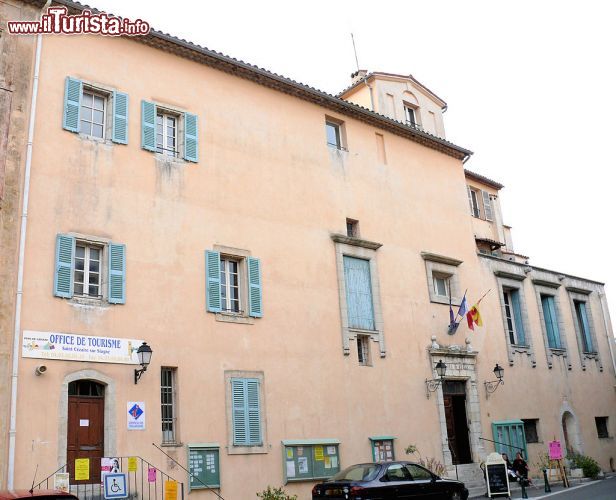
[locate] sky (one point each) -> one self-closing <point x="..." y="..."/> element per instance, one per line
<point x="529" y="85"/>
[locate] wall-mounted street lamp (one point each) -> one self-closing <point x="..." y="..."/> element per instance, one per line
<point x="432" y="385"/>
<point x="492" y="385"/>
<point x="144" y="353"/>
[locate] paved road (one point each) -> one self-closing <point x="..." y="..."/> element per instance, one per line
<point x="595" y="490"/>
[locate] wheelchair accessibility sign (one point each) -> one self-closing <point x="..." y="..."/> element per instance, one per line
<point x="115" y="485"/>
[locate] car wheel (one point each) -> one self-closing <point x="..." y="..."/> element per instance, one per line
<point x="456" y="496"/>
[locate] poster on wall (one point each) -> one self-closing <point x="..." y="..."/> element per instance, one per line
<point x="61" y="482"/>
<point x="75" y="347"/>
<point x="135" y="415"/>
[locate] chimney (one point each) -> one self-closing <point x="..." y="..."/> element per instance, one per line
<point x="358" y="75"/>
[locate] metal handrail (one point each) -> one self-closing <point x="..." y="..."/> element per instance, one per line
<point x="137" y="483"/>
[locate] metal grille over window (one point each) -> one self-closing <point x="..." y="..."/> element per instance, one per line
<point x="363" y="349"/>
<point x="359" y="293"/>
<point x="167" y="404"/>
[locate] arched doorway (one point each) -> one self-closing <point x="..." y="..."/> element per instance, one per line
<point x="85" y="429"/>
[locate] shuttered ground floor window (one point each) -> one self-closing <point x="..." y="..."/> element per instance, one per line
<point x="310" y="459"/>
<point x="510" y="438"/>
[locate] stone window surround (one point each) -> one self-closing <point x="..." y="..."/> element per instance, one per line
<point x="543" y="287"/>
<point x="582" y="295"/>
<point x="461" y="365"/>
<point x="514" y="281"/>
<point x="445" y="267"/>
<point x="361" y="249"/>
<point x="241" y="255"/>
<point x="245" y="450"/>
<point x="109" y="413"/>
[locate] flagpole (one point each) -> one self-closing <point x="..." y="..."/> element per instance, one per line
<point x="458" y="313"/>
<point x="477" y="303"/>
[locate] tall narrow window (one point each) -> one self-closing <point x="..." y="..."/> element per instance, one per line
<point x="229" y="285"/>
<point x="602" y="430"/>
<point x="409" y="114"/>
<point x="87" y="278"/>
<point x="359" y="293"/>
<point x="352" y="228"/>
<point x="168" y="404"/>
<point x="363" y="350"/>
<point x="473" y="199"/>
<point x="166" y="134"/>
<point x="246" y="412"/>
<point x="92" y="114"/>
<point x="551" y="322"/>
<point x="584" y="326"/>
<point x="513" y="315"/>
<point x="333" y="134"/>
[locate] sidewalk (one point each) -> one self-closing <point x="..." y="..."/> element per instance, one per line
<point x="538" y="491"/>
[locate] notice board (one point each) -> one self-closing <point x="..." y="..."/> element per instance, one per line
<point x="204" y="466"/>
<point x="310" y="460"/>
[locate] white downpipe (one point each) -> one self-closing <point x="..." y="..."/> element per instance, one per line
<point x="20" y="265"/>
<point x="608" y="331"/>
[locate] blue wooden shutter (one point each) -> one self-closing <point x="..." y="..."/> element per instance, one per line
<point x="510" y="438"/>
<point x="212" y="281"/>
<point x="254" y="412"/>
<point x="148" y="125"/>
<point x="63" y="276"/>
<point x="358" y="293"/>
<point x="191" y="138"/>
<point x="551" y="325"/>
<point x="117" y="273"/>
<point x="585" y="328"/>
<point x="517" y="317"/>
<point x="119" y="128"/>
<point x="72" y="104"/>
<point x="238" y="395"/>
<point x="255" y="301"/>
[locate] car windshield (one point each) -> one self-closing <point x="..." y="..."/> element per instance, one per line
<point x="365" y="472"/>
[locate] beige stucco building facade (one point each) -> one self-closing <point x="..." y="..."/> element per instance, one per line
<point x="289" y="256"/>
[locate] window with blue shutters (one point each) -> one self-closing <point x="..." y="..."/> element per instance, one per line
<point x="95" y="112"/>
<point x="246" y="404"/>
<point x="584" y="326"/>
<point x="82" y="268"/>
<point x="360" y="309"/>
<point x="510" y="438"/>
<point x="550" y="319"/>
<point x="169" y="132"/>
<point x="233" y="285"/>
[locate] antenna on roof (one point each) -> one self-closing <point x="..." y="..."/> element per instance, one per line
<point x="355" y="51"/>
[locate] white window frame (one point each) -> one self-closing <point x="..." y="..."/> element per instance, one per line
<point x="88" y="246"/>
<point x="510" y="317"/>
<point x="436" y="277"/>
<point x="172" y="391"/>
<point x="410" y="112"/>
<point x="105" y="96"/>
<point x="225" y="264"/>
<point x="164" y="148"/>
<point x="475" y="204"/>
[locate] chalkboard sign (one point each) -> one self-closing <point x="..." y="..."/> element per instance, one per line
<point x="204" y="466"/>
<point x="498" y="482"/>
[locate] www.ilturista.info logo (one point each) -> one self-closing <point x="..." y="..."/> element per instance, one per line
<point x="58" y="21"/>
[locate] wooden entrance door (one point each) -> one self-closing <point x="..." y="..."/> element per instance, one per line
<point x="85" y="433"/>
<point x="454" y="399"/>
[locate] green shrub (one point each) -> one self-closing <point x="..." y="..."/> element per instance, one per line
<point x="275" y="494"/>
<point x="589" y="466"/>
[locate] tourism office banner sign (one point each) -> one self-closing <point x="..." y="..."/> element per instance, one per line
<point x="75" y="347"/>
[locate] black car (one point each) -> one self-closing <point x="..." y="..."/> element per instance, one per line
<point x="388" y="480"/>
